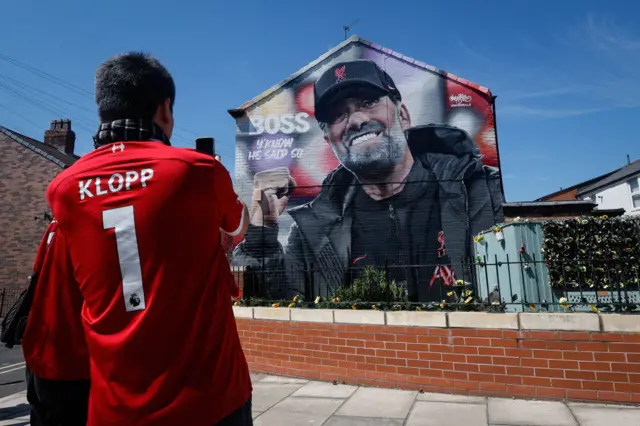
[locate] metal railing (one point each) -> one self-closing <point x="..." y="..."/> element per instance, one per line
<point x="524" y="284"/>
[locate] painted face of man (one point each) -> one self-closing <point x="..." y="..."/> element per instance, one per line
<point x="366" y="133"/>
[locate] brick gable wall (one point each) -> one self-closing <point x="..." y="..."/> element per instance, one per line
<point x="24" y="177"/>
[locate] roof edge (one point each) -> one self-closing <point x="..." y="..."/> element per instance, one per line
<point x="18" y="137"/>
<point x="239" y="111"/>
<point x="577" y="185"/>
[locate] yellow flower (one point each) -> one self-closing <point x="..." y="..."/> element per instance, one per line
<point x="594" y="309"/>
<point x="442" y="304"/>
<point x="497" y="228"/>
<point x="275" y="305"/>
<point x="418" y="308"/>
<point x="354" y="307"/>
<point x="604" y="217"/>
<point x="374" y="307"/>
<point x="564" y="302"/>
<point x="468" y="292"/>
<point x="459" y="282"/>
<point x="238" y="303"/>
<point x="296" y="299"/>
<point x="450" y="294"/>
<point x="292" y="305"/>
<point x="533" y="307"/>
<point x="318" y="299"/>
<point x="335" y="300"/>
<point x="468" y="299"/>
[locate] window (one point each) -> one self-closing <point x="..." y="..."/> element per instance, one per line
<point x="634" y="189"/>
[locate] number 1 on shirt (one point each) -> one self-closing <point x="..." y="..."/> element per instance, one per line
<point x="121" y="220"/>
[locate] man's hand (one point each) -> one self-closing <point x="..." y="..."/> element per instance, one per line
<point x="271" y="190"/>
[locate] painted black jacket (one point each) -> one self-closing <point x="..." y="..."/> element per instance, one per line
<point x="469" y="195"/>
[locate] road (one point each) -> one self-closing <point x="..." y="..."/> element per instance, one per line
<point x="11" y="371"/>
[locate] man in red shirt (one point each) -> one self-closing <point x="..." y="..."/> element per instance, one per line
<point x="53" y="344"/>
<point x="143" y="222"/>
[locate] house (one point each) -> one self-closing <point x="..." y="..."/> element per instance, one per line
<point x="618" y="189"/>
<point x="27" y="166"/>
<point x="406" y="113"/>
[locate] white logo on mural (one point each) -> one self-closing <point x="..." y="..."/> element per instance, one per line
<point x="460" y="100"/>
<point x="286" y="123"/>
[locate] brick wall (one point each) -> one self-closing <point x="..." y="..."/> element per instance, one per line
<point x="24" y="177"/>
<point x="544" y="364"/>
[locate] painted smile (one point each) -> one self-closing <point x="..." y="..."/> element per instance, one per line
<point x="363" y="138"/>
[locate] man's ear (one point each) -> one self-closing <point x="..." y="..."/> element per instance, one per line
<point x="405" y="117"/>
<point x="164" y="117"/>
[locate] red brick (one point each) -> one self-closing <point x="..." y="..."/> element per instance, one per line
<point x="441" y="365"/>
<point x="430" y="356"/>
<point x="601" y="386"/>
<point x="614" y="396"/>
<point x="440" y="348"/>
<point x="533" y="344"/>
<point x="493" y="369"/>
<point x="551" y="393"/>
<point x="536" y="381"/>
<point x="580" y="375"/>
<point x="624" y="347"/>
<point x="396" y="361"/>
<point x="386" y="368"/>
<point x="455" y="375"/>
<point x="595" y="366"/>
<point x="634" y="378"/>
<point x="471" y="350"/>
<point x="606" y="337"/>
<point x="625" y="367"/>
<point x="515" y="380"/>
<point x="547" y="354"/>
<point x="627" y="387"/>
<point x="408" y="354"/>
<point x="520" y="371"/>
<point x="431" y="373"/>
<point x="631" y="337"/>
<point x="385" y="353"/>
<point x="574" y="336"/>
<point x="592" y="346"/>
<point x="504" y="343"/>
<point x="491" y="351"/>
<point x="531" y="362"/>
<point x="396" y="345"/>
<point x="454" y="357"/>
<point x="463" y="384"/>
<point x="374" y="344"/>
<point x="428" y="339"/>
<point x="489" y="333"/>
<point x="408" y="338"/>
<point x="466" y="367"/>
<point x="481" y="377"/>
<point x="464" y="332"/>
<point x="565" y="346"/>
<point x="420" y="347"/>
<point x="546" y="372"/>
<point x="541" y="335"/>
<point x="579" y="356"/>
<point x="629" y="357"/>
<point x="494" y="387"/>
<point x="479" y="359"/>
<point x="564" y="365"/>
<point x="418" y="364"/>
<point x="612" y="377"/>
<point x="505" y="361"/>
<point x="582" y="394"/>
<point x="518" y="353"/>
<point x="477" y="341"/>
<point x="520" y="390"/>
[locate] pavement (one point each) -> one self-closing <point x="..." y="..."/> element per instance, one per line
<point x="281" y="401"/>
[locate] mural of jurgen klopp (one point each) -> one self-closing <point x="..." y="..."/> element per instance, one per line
<point x="399" y="193"/>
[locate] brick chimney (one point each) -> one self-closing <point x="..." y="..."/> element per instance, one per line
<point x="61" y="136"/>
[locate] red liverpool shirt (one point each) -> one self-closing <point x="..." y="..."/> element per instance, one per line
<point x="53" y="344"/>
<point x="143" y="222"/>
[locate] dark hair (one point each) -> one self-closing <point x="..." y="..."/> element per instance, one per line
<point x="132" y="85"/>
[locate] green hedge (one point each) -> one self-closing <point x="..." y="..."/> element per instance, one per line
<point x="593" y="253"/>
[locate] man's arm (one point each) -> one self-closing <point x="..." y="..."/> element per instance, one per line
<point x="233" y="213"/>
<point x="54" y="346"/>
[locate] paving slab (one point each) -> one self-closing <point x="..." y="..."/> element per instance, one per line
<point x="278" y="379"/>
<point x="600" y="416"/>
<point x="445" y="397"/>
<point x="447" y="414"/>
<point x="266" y="395"/>
<point x="362" y="421"/>
<point x="383" y="403"/>
<point x="257" y="377"/>
<point x="515" y="412"/>
<point x="299" y="412"/>
<point x="325" y="390"/>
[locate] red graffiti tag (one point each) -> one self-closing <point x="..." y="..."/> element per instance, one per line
<point x="341" y="73"/>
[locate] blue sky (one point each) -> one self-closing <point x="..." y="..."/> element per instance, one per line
<point x="565" y="72"/>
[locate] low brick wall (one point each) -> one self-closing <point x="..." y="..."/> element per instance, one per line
<point x="538" y="355"/>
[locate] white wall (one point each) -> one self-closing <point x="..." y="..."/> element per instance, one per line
<point x="615" y="197"/>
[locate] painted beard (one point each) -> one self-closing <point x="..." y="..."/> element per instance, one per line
<point x="372" y="151"/>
